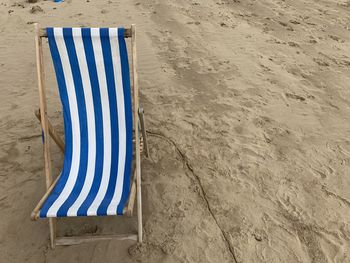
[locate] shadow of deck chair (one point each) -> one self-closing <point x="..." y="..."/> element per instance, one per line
<point x="102" y="123"/>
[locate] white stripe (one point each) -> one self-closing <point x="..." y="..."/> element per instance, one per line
<point x="113" y="36"/>
<point x="73" y="174"/>
<point x="107" y="142"/>
<point x="90" y="172"/>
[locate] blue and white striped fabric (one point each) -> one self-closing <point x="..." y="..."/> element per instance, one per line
<point x="92" y="72"/>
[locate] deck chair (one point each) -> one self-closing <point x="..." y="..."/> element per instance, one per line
<point x="103" y="125"/>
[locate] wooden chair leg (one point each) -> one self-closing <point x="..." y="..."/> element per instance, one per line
<point x="139" y="208"/>
<point x="144" y="131"/>
<point x="44" y="121"/>
<point x="53" y="227"/>
<point x="137" y="144"/>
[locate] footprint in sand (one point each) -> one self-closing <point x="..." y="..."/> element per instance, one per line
<point x="321" y="62"/>
<point x="335" y="38"/>
<point x="86" y="229"/>
<point x="193" y="23"/>
<point x="293" y="44"/>
<point x="295" y="97"/>
<point x="289" y="199"/>
<point x="295" y="22"/>
<point x="16" y="4"/>
<point x="36" y="9"/>
<point x="284" y="24"/>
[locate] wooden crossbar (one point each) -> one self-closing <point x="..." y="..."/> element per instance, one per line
<point x="36" y="211"/>
<point x="76" y="240"/>
<point x="44" y="123"/>
<point x="57" y="139"/>
<point x="42" y="32"/>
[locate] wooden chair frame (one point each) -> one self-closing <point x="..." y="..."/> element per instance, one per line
<point x="48" y="130"/>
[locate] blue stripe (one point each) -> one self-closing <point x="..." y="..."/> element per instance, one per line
<point x="108" y="63"/>
<point x="128" y="118"/>
<point x="90" y="57"/>
<point x="67" y="124"/>
<point x="73" y="60"/>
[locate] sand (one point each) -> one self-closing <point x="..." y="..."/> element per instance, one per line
<point x="248" y="111"/>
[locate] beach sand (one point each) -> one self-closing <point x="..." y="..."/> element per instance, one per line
<point x="248" y="112"/>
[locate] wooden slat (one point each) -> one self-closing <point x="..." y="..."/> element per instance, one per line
<point x="137" y="144"/>
<point x="131" y="202"/>
<point x="144" y="132"/>
<point x="44" y="123"/>
<point x="36" y="211"/>
<point x="42" y="32"/>
<point x="76" y="240"/>
<point x="57" y="139"/>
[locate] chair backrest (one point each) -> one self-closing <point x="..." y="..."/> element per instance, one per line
<point x="92" y="71"/>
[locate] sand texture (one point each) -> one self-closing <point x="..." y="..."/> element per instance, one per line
<point x="248" y="111"/>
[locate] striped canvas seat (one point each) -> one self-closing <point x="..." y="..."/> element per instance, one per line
<point x="92" y="72"/>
